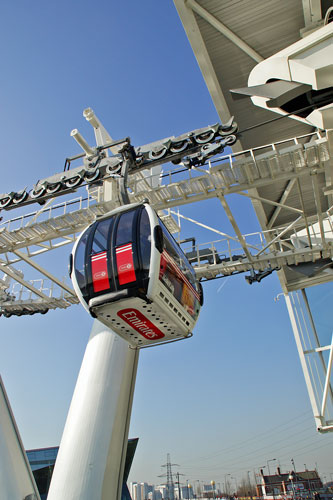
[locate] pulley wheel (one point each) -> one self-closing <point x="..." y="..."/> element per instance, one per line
<point x="73" y="181"/>
<point x="18" y="198"/>
<point x="158" y="153"/>
<point x="92" y="176"/>
<point x="205" y="137"/>
<point x="113" y="169"/>
<point x="223" y="132"/>
<point x="36" y="193"/>
<point x="178" y="147"/>
<point x="4" y="202"/>
<point x="53" y="188"/>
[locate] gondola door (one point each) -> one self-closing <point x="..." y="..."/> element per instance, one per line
<point x="99" y="261"/>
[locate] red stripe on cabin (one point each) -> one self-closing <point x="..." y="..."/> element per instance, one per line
<point x="99" y="270"/>
<point x="125" y="264"/>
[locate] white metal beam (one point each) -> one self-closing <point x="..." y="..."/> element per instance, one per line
<point x="280" y="205"/>
<point x="283" y="199"/>
<point x="46" y="273"/>
<point x="315" y="335"/>
<point x="316" y="193"/>
<point x="4" y="268"/>
<point x="227" y="236"/>
<point x="235" y="226"/>
<point x="327" y="386"/>
<point x="295" y="326"/>
<point x="205" y="64"/>
<point x="278" y="237"/>
<point x="301" y="198"/>
<point x="224" y="30"/>
<point x="312" y="12"/>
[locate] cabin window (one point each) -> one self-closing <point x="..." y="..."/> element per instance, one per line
<point x="100" y="242"/>
<point x="145" y="240"/>
<point x="125" y="228"/>
<point x="80" y="261"/>
<point x="174" y="250"/>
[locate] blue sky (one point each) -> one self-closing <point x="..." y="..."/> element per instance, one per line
<point x="232" y="397"/>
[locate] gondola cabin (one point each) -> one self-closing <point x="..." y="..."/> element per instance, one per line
<point x="130" y="274"/>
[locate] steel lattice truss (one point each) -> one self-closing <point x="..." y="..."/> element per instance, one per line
<point x="58" y="224"/>
<point x="291" y="180"/>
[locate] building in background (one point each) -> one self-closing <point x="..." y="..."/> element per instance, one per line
<point x="145" y="491"/>
<point x="155" y="495"/>
<point x="284" y="483"/>
<point x="42" y="462"/>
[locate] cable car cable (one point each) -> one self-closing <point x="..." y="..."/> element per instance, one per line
<point x="275" y="119"/>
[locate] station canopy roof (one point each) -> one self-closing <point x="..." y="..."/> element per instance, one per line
<point x="229" y="37"/>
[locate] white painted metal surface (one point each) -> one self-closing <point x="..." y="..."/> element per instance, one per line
<point x="266" y="28"/>
<point x="16" y="479"/>
<point x="91" y="458"/>
<point x="307" y="61"/>
<point x="222" y="28"/>
<point x="317" y="369"/>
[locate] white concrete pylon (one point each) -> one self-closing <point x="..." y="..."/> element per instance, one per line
<point x="92" y="452"/>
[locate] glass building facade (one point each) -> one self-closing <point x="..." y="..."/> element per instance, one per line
<point x="42" y="462"/>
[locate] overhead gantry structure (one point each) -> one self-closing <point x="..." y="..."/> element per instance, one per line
<point x="292" y="235"/>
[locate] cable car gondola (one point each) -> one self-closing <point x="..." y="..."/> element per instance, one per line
<point x="130" y="274"/>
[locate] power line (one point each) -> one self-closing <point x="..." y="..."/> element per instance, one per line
<point x="255" y="438"/>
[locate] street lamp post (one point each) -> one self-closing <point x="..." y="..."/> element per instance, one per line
<point x="291" y="477"/>
<point x="249" y="481"/>
<point x="198" y="488"/>
<point x="225" y="483"/>
<point x="292" y="461"/>
<point x="309" y="487"/>
<point x="271" y="460"/>
<point x="236" y="485"/>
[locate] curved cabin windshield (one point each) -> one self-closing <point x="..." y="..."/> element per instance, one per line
<point x="80" y="261"/>
<point x="174" y="250"/>
<point x="145" y="240"/>
<point x="125" y="228"/>
<point x="101" y="236"/>
<point x="178" y="276"/>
